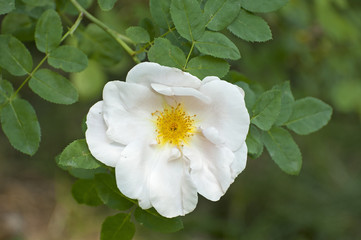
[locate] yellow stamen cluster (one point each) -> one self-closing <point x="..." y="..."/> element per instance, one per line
<point x="174" y="126"/>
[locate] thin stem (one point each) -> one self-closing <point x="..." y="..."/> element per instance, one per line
<point x="73" y="27"/>
<point x="121" y="39"/>
<point x="189" y="54"/>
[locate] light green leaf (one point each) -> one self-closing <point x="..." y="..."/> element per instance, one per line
<point x="6" y="6"/>
<point x="106" y="5"/>
<point x="48" y="31"/>
<point x="159" y="9"/>
<point x="154" y="221"/>
<point x="263" y="5"/>
<point x="203" y="66"/>
<point x="164" y="53"/>
<point x="188" y="18"/>
<point x="21" y="126"/>
<point x="283" y="150"/>
<point x="250" y="97"/>
<point x="77" y="155"/>
<point x="117" y="227"/>
<point x="19" y="25"/>
<point x="68" y="58"/>
<point x="53" y="87"/>
<point x="221" y="13"/>
<point x="217" y="45"/>
<point x="309" y="115"/>
<point x="254" y="142"/>
<point x="109" y="193"/>
<point x="266" y="109"/>
<point x="84" y="192"/>
<point x="14" y="57"/>
<point x="6" y="89"/>
<point x="250" y="27"/>
<point x="286" y="103"/>
<point x="138" y="34"/>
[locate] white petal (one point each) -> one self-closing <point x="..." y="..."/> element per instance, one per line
<point x="152" y="175"/>
<point x="147" y="72"/>
<point x="227" y="112"/>
<point x="179" y="91"/>
<point x="210" y="166"/>
<point x="127" y="110"/>
<point x="100" y="146"/>
<point x="240" y="160"/>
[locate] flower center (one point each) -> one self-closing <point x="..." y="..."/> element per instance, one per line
<point x="174" y="126"/>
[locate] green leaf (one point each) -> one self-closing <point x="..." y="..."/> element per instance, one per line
<point x="84" y="192"/>
<point x="77" y="155"/>
<point x="68" y="58"/>
<point x="48" y="31"/>
<point x="263" y="5"/>
<point x="188" y="18"/>
<point x="21" y="126"/>
<point x="53" y="87"/>
<point x="36" y="3"/>
<point x="6" y="89"/>
<point x="164" y="53"/>
<point x="6" y="6"/>
<point x="217" y="45"/>
<point x="254" y="142"/>
<point x="283" y="150"/>
<point x="14" y="57"/>
<point x="250" y="28"/>
<point x="221" y="13"/>
<point x="286" y="102"/>
<point x="138" y="34"/>
<point x="266" y="109"/>
<point x="117" y="227"/>
<point x="203" y="66"/>
<point x="66" y="6"/>
<point x="249" y="97"/>
<point x="309" y="115"/>
<point x="19" y="25"/>
<point x="106" y="5"/>
<point x="109" y="193"/>
<point x="159" y="9"/>
<point x="156" y="222"/>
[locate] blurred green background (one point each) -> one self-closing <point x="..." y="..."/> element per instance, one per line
<point x="316" y="46"/>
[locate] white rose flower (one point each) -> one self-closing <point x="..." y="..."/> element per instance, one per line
<point x="170" y="136"/>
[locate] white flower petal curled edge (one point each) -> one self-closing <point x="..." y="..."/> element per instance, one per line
<point x="170" y="136"/>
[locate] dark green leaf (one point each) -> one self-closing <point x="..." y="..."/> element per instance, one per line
<point x="263" y="5"/>
<point x="109" y="193"/>
<point x="6" y="6"/>
<point x="283" y="150"/>
<point x="117" y="227"/>
<point x="19" y="25"/>
<point x="36" y="3"/>
<point x="53" y="87"/>
<point x="221" y="13"/>
<point x="156" y="222"/>
<point x="68" y="58"/>
<point x="309" y="115"/>
<point x="164" y="53"/>
<point x="203" y="66"/>
<point x="48" y="31"/>
<point x="217" y="45"/>
<point x="77" y="155"/>
<point x="286" y="103"/>
<point x="66" y="6"/>
<point x="188" y="18"/>
<point x="21" y="126"/>
<point x="14" y="57"/>
<point x="254" y="142"/>
<point x="249" y="96"/>
<point x="160" y="13"/>
<point x="138" y="34"/>
<point x="106" y="5"/>
<point x="250" y="28"/>
<point x="6" y="89"/>
<point x="266" y="109"/>
<point x="84" y="192"/>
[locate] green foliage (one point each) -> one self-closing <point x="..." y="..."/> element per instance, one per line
<point x="20" y="125"/>
<point x="287" y="101"/>
<point x="106" y="5"/>
<point x="48" y="31"/>
<point x="6" y="90"/>
<point x="203" y="66"/>
<point x="14" y="57"/>
<point x="68" y="58"/>
<point x="117" y="227"/>
<point x="250" y="27"/>
<point x="19" y="25"/>
<point x="156" y="222"/>
<point x="164" y="53"/>
<point x="53" y="87"/>
<point x="138" y="34"/>
<point x="6" y="6"/>
<point x="221" y="13"/>
<point x="263" y="5"/>
<point x="84" y="192"/>
<point x="160" y="13"/>
<point x="254" y="142"/>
